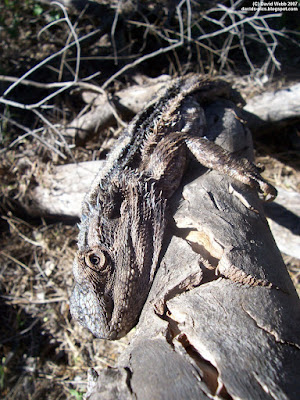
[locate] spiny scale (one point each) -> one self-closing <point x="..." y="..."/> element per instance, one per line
<point x="123" y="222"/>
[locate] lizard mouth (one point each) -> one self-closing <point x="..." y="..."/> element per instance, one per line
<point x="93" y="312"/>
<point x="97" y="314"/>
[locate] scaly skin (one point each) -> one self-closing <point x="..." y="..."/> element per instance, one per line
<point x="123" y="215"/>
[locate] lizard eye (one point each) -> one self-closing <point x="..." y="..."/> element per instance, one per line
<point x="96" y="260"/>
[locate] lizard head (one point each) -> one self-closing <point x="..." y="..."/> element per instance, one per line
<point x="115" y="264"/>
<point x="91" y="302"/>
<point x="108" y="296"/>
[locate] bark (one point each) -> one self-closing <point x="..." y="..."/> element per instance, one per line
<point x="203" y="332"/>
<point x="276" y="105"/>
<point x="262" y="112"/>
<point x="126" y="102"/>
<point x="222" y="318"/>
<point x="284" y="220"/>
<point x="60" y="189"/>
<point x="270" y="112"/>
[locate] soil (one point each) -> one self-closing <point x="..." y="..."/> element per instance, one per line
<point x="43" y="352"/>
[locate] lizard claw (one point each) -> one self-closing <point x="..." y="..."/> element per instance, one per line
<point x="266" y="191"/>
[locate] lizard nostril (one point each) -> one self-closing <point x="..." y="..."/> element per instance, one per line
<point x="122" y="235"/>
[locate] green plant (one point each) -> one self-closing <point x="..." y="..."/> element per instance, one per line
<point x="2" y="373"/>
<point x="76" y="394"/>
<point x="37" y="10"/>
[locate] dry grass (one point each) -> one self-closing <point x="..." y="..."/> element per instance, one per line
<point x="43" y="353"/>
<point x="282" y="169"/>
<point x="41" y="344"/>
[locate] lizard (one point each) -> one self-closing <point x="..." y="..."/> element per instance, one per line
<point x="124" y="214"/>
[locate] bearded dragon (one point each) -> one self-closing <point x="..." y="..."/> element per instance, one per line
<point x="124" y="214"/>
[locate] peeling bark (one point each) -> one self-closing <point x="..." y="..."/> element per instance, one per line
<point x="222" y="319"/>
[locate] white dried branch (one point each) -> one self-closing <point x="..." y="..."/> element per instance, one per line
<point x="55" y="130"/>
<point x="167" y="49"/>
<point x="41" y="85"/>
<point x="33" y="133"/>
<point x="63" y="86"/>
<point x="113" y="31"/>
<point x="60" y="87"/>
<point x="239" y="20"/>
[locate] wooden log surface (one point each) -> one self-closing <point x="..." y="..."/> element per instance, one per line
<point x="284" y="219"/>
<point x="203" y="333"/>
<point x="130" y="100"/>
<point x="260" y="111"/>
<point x="274" y="106"/>
<point x="60" y="191"/>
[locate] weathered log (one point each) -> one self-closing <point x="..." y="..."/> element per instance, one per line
<point x="260" y="111"/>
<point x="128" y="101"/>
<point x="231" y="332"/>
<point x="60" y="189"/>
<point x="207" y="332"/>
<point x="274" y="106"/>
<point x="284" y="220"/>
<point x="60" y="192"/>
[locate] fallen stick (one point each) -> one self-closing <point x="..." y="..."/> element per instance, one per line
<point x="222" y="318"/>
<point x="128" y="101"/>
<point x="260" y="111"/>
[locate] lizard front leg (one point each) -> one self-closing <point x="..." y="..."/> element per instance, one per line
<point x="166" y="164"/>
<point x="215" y="157"/>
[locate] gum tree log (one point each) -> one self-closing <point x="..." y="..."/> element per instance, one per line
<point x="284" y="220"/>
<point x="276" y="105"/>
<point x="59" y="190"/>
<point x="222" y="319"/>
<point x="203" y="332"/>
<point x="104" y="110"/>
<point x="262" y="111"/>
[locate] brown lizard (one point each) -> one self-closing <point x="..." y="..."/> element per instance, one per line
<point x="123" y="215"/>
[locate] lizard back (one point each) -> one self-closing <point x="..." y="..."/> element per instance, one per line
<point x="123" y="215"/>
